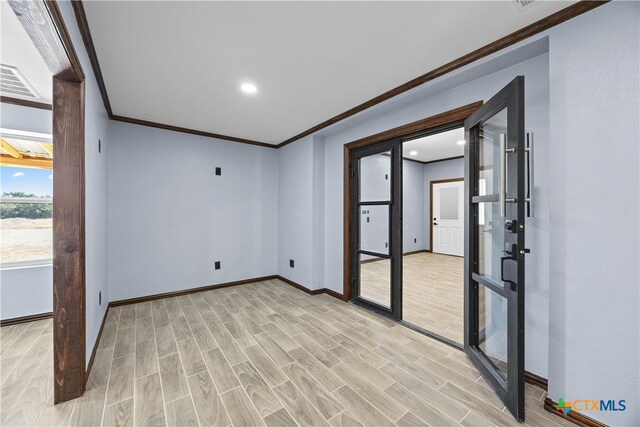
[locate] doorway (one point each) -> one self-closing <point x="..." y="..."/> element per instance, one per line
<point x="447" y="214"/>
<point x="377" y="249"/>
<point x="494" y="206"/>
<point x="392" y="269"/>
<point x="433" y="208"/>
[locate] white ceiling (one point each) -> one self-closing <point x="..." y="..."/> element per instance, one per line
<point x="181" y="63"/>
<point x="439" y="146"/>
<point x="17" y="50"/>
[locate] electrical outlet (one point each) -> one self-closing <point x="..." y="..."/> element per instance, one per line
<point x="218" y="171"/>
<point x="415" y="240"/>
<point x="100" y="298"/>
<point x="291" y="263"/>
<point x="216" y="265"/>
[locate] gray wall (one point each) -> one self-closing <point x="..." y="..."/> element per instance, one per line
<point x="25" y="290"/>
<point x="413" y="211"/>
<point x="96" y="190"/>
<point x="374" y="234"/>
<point x="301" y="212"/>
<point x="171" y="217"/>
<point x="295" y="211"/>
<point x="433" y="172"/>
<point x="594" y="165"/>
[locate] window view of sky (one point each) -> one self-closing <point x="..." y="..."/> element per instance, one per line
<point x="28" y="180"/>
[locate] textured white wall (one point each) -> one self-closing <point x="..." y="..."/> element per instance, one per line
<point x="414" y="215"/>
<point x="295" y="211"/>
<point x="594" y="262"/>
<point x="171" y="217"/>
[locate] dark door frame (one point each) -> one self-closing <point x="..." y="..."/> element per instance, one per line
<point x="437" y="181"/>
<point x="394" y="146"/>
<point x="432" y="123"/>
<point x="509" y="387"/>
<point x="45" y="26"/>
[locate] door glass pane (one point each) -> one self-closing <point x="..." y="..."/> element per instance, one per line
<point x="374" y="228"/>
<point x="449" y="198"/>
<point x="490" y="241"/>
<point x="492" y="311"/>
<point x="488" y="152"/>
<point x="375" y="177"/>
<point x="375" y="279"/>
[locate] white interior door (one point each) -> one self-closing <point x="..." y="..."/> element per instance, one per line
<point x="447" y="220"/>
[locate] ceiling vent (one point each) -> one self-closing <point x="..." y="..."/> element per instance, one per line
<point x="12" y="82"/>
<point x="523" y="4"/>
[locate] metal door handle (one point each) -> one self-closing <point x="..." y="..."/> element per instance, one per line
<point x="502" y="196"/>
<point x="529" y="198"/>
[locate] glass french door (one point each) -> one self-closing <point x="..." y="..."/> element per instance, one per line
<point x="495" y="243"/>
<point x="376" y="236"/>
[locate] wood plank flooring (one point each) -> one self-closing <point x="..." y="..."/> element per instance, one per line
<point x="432" y="291"/>
<point x="257" y="354"/>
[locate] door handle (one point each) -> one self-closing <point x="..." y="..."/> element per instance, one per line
<point x="502" y="260"/>
<point x="435" y="223"/>
<point x="529" y="198"/>
<point x="502" y="196"/>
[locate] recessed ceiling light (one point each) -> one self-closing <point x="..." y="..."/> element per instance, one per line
<point x="461" y="142"/>
<point x="413" y="153"/>
<point x="248" y="88"/>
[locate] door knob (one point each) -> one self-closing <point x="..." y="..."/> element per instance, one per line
<point x="435" y="223"/>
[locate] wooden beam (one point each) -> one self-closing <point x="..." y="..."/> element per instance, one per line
<point x="68" y="241"/>
<point x="25" y="103"/>
<point x="44" y="24"/>
<point x="26" y="162"/>
<point x="9" y="149"/>
<point x="48" y="147"/>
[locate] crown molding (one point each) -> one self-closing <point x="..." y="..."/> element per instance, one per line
<point x="544" y="24"/>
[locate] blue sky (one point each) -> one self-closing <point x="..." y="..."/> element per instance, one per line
<point x="29" y="180"/>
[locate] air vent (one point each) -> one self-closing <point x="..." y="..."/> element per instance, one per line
<point x="12" y="82"/>
<point x="523" y="4"/>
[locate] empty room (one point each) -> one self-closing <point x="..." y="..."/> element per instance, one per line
<point x="328" y="213"/>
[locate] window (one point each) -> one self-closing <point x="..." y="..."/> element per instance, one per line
<point x="26" y="178"/>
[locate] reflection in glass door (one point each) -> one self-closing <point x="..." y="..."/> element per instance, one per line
<point x="376" y="261"/>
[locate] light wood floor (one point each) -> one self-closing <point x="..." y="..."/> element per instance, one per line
<point x="432" y="290"/>
<point x="257" y="354"/>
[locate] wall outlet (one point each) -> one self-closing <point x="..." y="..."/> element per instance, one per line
<point x="100" y="298"/>
<point x="216" y="265"/>
<point x="291" y="263"/>
<point x="218" y="171"/>
<point x="415" y="240"/>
